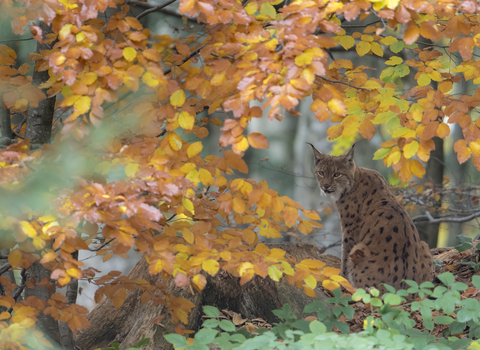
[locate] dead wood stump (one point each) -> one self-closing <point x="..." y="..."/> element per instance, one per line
<point x="256" y="299"/>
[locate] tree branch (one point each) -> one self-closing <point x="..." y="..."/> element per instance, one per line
<point x="428" y="217"/>
<point x="154" y="9"/>
<point x="195" y="52"/>
<point x="342" y="82"/>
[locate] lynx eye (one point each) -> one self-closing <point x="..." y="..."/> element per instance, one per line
<point x="337" y="175"/>
<point x="320" y="173"/>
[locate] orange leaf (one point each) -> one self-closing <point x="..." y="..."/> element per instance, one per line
<point x="443" y="130"/>
<point x="290" y="215"/>
<point x="257" y="140"/>
<point x="119" y="297"/>
<point x="411" y="33"/>
<point x="367" y="129"/>
<point x="15" y="257"/>
<point x="463" y="152"/>
<point x="188" y="235"/>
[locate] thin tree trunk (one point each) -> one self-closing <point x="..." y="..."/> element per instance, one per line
<point x="434" y="173"/>
<point x="66" y="334"/>
<point x="45" y="323"/>
<point x="5" y="123"/>
<point x="40" y="119"/>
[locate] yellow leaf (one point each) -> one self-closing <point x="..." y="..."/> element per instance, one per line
<point x="244" y="268"/>
<point x="423" y="80"/>
<point x="131" y="169"/>
<point x="417" y="168"/>
<point x="251" y="7"/>
<point x="269" y="233"/>
<point x="347" y="42"/>
<point x="185" y="120"/>
<point x="187" y="203"/>
<point x="410" y="149"/>
<point x="304" y="59"/>
<point x="177" y="99"/>
<point x="435" y="75"/>
<point x="394" y="60"/>
<point x="268" y="10"/>
<point x="82" y="105"/>
<point x="88" y="78"/>
<point x="310" y="281"/>
<point x="205" y="177"/>
<point x="188" y="235"/>
<point x="155" y="267"/>
<point x="389" y="40"/>
<point x="363" y="47"/>
<point x="129" y="53"/>
<point x="28" y="229"/>
<point x="377" y="49"/>
<point x="330" y="285"/>
<point x="210" y="266"/>
<point x="475" y="147"/>
<point x="287" y="268"/>
<point x="175" y="141"/>
<point x="194" y="149"/>
<point x="199" y="282"/>
<point x="274" y="273"/>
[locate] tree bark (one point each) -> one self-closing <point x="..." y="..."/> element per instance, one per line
<point x="40" y="119"/>
<point x="434" y="173"/>
<point x="46" y="323"/>
<point x="256" y="299"/>
<point x="5" y="123"/>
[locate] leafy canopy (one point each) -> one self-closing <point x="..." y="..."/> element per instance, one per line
<point x="128" y="164"/>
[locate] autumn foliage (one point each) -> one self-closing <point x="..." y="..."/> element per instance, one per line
<point x="169" y="199"/>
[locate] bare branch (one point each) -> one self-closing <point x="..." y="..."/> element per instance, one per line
<point x="20" y="288"/>
<point x="103" y="245"/>
<point x="154" y="9"/>
<point x="428" y="217"/>
<point x="195" y="52"/>
<point x="342" y="82"/>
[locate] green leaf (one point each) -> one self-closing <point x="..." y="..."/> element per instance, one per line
<point x="459" y="286"/>
<point x="392" y="299"/>
<point x="143" y="342"/>
<point x="205" y="336"/>
<point x="464" y="315"/>
<point x="476" y="281"/>
<point x="314" y="306"/>
<point x="462" y="238"/>
<point x="268" y="10"/>
<point x="227" y="326"/>
<point x="349" y="312"/>
<point x="239" y="338"/>
<point x="381" y="118"/>
<point x="210" y="323"/>
<point x="446" y="278"/>
<point x="380" y="154"/>
<point x="211" y="311"/>
<point x="392" y="124"/>
<point x="443" y="320"/>
<point x="376" y="302"/>
<point x="397" y="47"/>
<point x="463" y="246"/>
<point x="342" y="327"/>
<point x="457" y="327"/>
<point x="402" y="70"/>
<point x="176" y="339"/>
<point x="317" y="328"/>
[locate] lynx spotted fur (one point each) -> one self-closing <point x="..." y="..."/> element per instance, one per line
<point x="380" y="243"/>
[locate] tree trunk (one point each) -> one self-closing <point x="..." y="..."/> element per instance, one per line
<point x="40" y="119"/>
<point x="46" y="323"/>
<point x="256" y="299"/>
<point x="434" y="173"/>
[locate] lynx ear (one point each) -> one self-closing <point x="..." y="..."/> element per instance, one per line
<point x="318" y="155"/>
<point x="348" y="157"/>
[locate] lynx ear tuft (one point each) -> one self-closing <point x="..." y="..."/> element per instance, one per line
<point x="349" y="155"/>
<point x="318" y="155"/>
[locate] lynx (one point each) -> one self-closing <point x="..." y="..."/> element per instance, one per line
<point x="380" y="243"/>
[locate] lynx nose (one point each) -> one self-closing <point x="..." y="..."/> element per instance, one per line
<point x="326" y="187"/>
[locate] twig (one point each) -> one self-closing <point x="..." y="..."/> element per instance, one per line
<point x="20" y="288"/>
<point x="103" y="245"/>
<point x="360" y="25"/>
<point x="342" y="82"/>
<point x="428" y="217"/>
<point x="154" y="9"/>
<point x="195" y="52"/>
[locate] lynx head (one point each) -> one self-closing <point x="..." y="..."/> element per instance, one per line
<point x="335" y="175"/>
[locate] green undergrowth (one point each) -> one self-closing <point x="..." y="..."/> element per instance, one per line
<point x="390" y="324"/>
